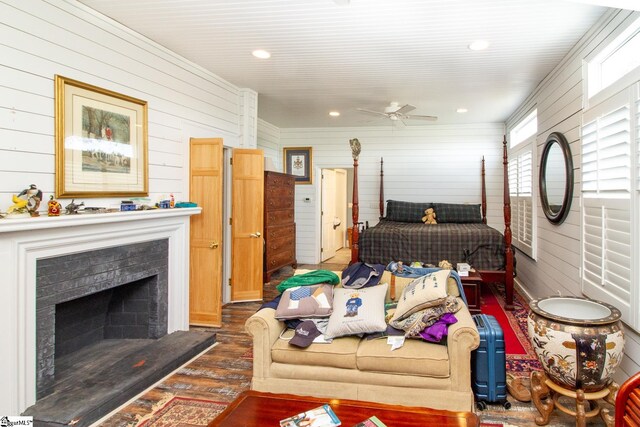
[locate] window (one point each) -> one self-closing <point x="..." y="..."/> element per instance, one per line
<point x="610" y="197"/>
<point x="521" y="192"/>
<point x="616" y="60"/>
<point x="525" y="129"/>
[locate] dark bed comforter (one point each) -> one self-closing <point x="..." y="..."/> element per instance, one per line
<point x="430" y="243"/>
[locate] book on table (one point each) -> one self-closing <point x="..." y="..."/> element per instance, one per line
<point x="371" y="422"/>
<point x="322" y="416"/>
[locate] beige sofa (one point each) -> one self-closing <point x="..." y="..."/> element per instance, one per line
<point x="417" y="374"/>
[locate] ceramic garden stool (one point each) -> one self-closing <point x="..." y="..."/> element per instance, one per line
<point x="579" y="343"/>
<point x="546" y="396"/>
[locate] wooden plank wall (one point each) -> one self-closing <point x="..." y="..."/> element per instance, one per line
<point x="269" y="142"/>
<point x="42" y="38"/>
<point x="558" y="99"/>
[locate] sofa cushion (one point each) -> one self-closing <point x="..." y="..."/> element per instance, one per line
<point x="423" y="292"/>
<point x="357" y="311"/>
<point x="341" y="353"/>
<point x="413" y="358"/>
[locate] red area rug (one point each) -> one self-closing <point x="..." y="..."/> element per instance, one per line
<point x="521" y="358"/>
<point x="183" y="412"/>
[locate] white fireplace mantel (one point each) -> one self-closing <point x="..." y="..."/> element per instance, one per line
<point x="23" y="241"/>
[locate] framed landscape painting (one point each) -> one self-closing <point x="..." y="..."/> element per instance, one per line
<point x="101" y="142"/>
<point x="297" y="162"/>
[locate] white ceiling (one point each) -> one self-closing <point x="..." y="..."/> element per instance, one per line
<point x="369" y="52"/>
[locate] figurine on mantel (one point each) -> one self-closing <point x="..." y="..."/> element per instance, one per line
<point x="72" y="208"/>
<point x="19" y="208"/>
<point x="53" y="207"/>
<point x="33" y="197"/>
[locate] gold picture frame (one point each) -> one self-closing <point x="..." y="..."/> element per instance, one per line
<point x="101" y="142"/>
<point x="298" y="161"/>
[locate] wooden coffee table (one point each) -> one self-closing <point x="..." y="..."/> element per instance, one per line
<point x="257" y="409"/>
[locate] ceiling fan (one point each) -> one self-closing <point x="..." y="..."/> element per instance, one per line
<point x="397" y="113"/>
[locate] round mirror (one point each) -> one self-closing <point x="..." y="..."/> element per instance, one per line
<point x="556" y="178"/>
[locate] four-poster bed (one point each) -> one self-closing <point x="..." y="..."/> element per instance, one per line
<point x="463" y="238"/>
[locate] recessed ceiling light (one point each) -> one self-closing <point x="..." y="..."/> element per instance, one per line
<point x="461" y="110"/>
<point x="334" y="113"/>
<point x="479" y="45"/>
<point x="262" y="54"/>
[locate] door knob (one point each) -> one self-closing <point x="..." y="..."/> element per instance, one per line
<point x="213" y="245"/>
<point x="256" y="234"/>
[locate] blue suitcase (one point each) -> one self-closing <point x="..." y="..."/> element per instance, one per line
<point x="488" y="364"/>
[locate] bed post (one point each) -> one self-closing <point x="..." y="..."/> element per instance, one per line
<point x="355" y="210"/>
<point x="381" y="190"/>
<point x="484" y="196"/>
<point x="508" y="253"/>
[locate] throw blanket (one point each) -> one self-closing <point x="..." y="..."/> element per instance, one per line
<point x="310" y="278"/>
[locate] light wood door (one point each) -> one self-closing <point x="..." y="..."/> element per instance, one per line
<point x="328" y="214"/>
<point x="205" y="270"/>
<point x="247" y="244"/>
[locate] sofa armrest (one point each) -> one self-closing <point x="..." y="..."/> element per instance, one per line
<point x="463" y="339"/>
<point x="265" y="330"/>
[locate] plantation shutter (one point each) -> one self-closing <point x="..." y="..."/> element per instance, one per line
<point x="606" y="192"/>
<point x="520" y="170"/>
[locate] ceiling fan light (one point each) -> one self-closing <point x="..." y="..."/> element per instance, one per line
<point x="479" y="45"/>
<point x="261" y="53"/>
<point x="334" y="113"/>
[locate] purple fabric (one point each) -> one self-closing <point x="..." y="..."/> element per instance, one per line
<point x="435" y="332"/>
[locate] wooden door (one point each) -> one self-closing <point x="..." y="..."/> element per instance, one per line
<point x="247" y="244"/>
<point x="205" y="269"/>
<point x="328" y="214"/>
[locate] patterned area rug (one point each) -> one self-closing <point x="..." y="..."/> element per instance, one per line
<point x="523" y="360"/>
<point x="183" y="412"/>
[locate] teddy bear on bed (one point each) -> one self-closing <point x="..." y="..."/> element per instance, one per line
<point x="429" y="216"/>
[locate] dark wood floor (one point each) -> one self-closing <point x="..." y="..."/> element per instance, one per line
<point x="225" y="371"/>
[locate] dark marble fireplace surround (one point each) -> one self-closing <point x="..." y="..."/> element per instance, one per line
<point x="113" y="293"/>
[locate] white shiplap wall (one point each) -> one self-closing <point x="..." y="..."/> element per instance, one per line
<point x="42" y="38"/>
<point x="269" y="142"/>
<point x="434" y="163"/>
<point x="559" y="102"/>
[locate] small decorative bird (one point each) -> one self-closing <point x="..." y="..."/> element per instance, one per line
<point x="355" y="148"/>
<point x="33" y="197"/>
<point x="19" y="205"/>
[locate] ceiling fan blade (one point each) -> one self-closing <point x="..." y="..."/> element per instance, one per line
<point x="405" y="109"/>
<point x="418" y="117"/>
<point x="375" y="113"/>
<point x="399" y="124"/>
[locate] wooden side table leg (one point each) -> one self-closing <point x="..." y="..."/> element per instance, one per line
<point x="540" y="395"/>
<point x="581" y="420"/>
<point x="607" y="416"/>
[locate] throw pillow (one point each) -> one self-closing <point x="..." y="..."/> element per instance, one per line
<point x="406" y="211"/>
<point x="357" y="311"/>
<point x="458" y="213"/>
<point x="305" y="301"/>
<point x="423" y="292"/>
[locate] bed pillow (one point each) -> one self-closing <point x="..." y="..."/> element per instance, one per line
<point x="406" y="211"/>
<point x="305" y="301"/>
<point x="424" y="292"/>
<point x="457" y="213"/>
<point x="357" y="311"/>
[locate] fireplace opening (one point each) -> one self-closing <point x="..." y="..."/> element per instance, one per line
<point x="118" y="313"/>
